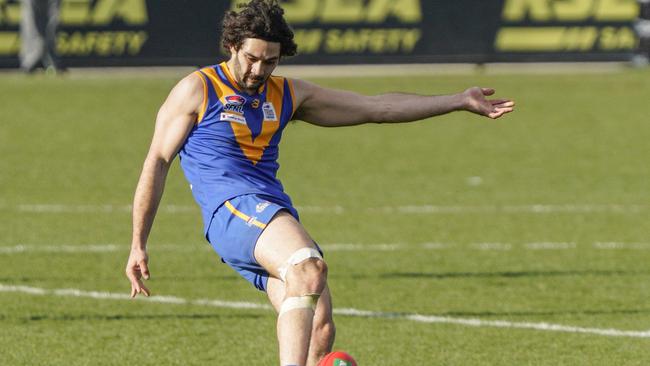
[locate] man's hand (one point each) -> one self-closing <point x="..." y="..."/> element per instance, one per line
<point x="136" y="269"/>
<point x="475" y="102"/>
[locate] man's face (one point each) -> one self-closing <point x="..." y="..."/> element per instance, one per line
<point x="254" y="62"/>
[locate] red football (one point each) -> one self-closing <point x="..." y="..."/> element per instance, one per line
<point x="337" y="358"/>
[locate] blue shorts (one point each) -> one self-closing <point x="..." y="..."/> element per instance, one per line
<point x="234" y="230"/>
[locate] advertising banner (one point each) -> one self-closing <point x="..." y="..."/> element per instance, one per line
<point x="186" y="32"/>
<point x="568" y="30"/>
<point x="124" y="32"/>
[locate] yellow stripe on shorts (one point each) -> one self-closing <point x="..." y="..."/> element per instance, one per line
<point x="249" y="220"/>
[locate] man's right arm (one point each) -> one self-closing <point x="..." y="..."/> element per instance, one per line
<point x="174" y="121"/>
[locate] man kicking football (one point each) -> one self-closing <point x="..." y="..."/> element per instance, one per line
<point x="225" y="122"/>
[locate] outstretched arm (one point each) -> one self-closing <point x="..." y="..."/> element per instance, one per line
<point x="334" y="108"/>
<point x="175" y="120"/>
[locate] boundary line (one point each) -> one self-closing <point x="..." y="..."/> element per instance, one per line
<point x="418" y="318"/>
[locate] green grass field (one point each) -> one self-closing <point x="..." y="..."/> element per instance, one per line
<point x="536" y="226"/>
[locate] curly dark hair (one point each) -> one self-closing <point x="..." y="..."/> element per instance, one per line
<point x="262" y="19"/>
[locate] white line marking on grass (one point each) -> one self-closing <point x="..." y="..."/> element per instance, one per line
<point x="70" y="292"/>
<point x="491" y="209"/>
<point x="63" y="208"/>
<point x="494" y="323"/>
<point x="550" y="246"/>
<point x="98" y="248"/>
<point x="339" y="210"/>
<point x="436" y="246"/>
<point x="363" y="247"/>
<point x="492" y="246"/>
<point x="533" y="326"/>
<point x="60" y="208"/>
<point x="619" y="245"/>
<point x="334" y="247"/>
<point x="472" y="322"/>
<point x="93" y="248"/>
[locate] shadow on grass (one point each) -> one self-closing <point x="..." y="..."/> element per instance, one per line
<point x="510" y="274"/>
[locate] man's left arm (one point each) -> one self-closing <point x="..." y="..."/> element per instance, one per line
<point x="333" y="108"/>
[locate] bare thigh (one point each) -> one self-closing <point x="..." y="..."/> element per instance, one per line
<point x="279" y="240"/>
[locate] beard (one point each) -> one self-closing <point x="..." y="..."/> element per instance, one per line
<point x="252" y="82"/>
<point x="247" y="81"/>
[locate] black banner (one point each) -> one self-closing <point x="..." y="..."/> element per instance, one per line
<point x="186" y="32"/>
<point x="569" y="30"/>
<point x="125" y="32"/>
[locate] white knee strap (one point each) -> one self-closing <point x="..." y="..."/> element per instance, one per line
<point x="297" y="257"/>
<point x="302" y="302"/>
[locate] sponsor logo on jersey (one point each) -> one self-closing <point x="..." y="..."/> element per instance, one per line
<point x="269" y="112"/>
<point x="251" y="221"/>
<point x="235" y="99"/>
<point x="256" y="103"/>
<point x="231" y="117"/>
<point x="234" y="103"/>
<point x="262" y="206"/>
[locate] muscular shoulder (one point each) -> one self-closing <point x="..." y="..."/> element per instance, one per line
<point x="188" y="93"/>
<point x="331" y="107"/>
<point x="191" y="87"/>
<point x="303" y="91"/>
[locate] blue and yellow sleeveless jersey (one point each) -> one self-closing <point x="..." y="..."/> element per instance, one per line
<point x="233" y="148"/>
